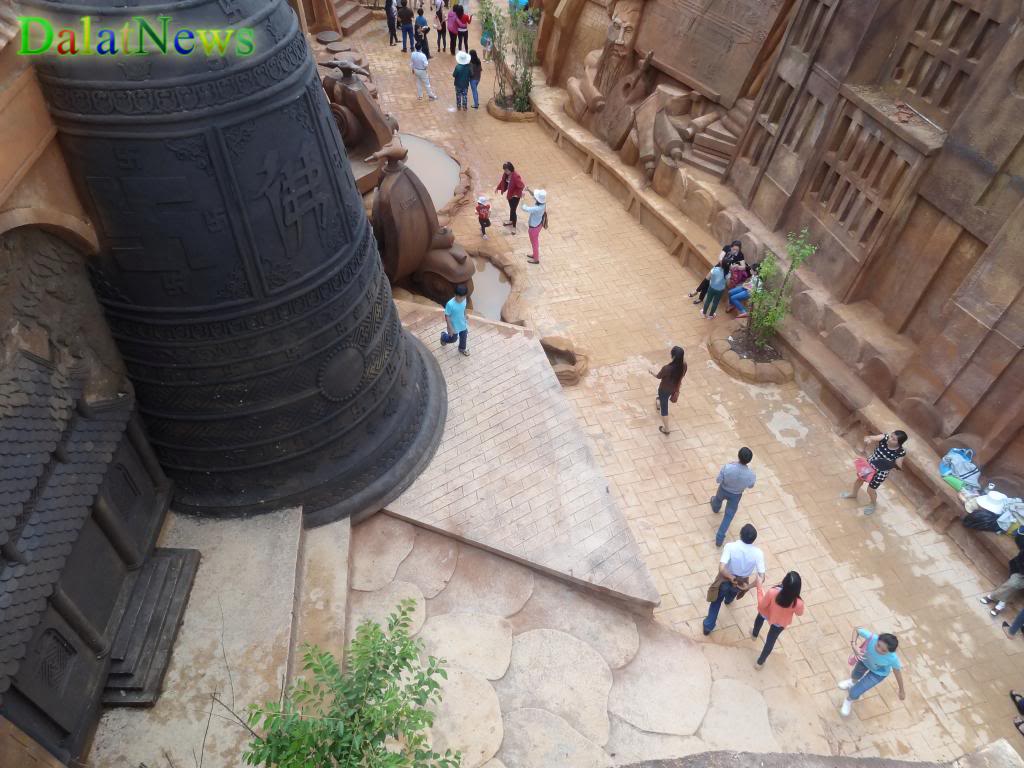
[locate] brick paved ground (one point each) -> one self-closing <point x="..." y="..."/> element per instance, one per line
<point x="612" y="287"/>
<point x="515" y="471"/>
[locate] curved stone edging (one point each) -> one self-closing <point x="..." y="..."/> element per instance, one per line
<point x="775" y="372"/>
<point x="513" y="311"/>
<point x="508" y="115"/>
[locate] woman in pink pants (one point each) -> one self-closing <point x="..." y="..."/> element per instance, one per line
<point x="536" y="222"/>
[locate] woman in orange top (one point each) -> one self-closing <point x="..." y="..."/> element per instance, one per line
<point x="778" y="607"/>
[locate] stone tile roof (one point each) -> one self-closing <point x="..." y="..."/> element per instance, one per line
<point x="44" y="500"/>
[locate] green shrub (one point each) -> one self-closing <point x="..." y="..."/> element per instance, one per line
<point x="514" y="41"/>
<point x="373" y="715"/>
<point x="770" y="305"/>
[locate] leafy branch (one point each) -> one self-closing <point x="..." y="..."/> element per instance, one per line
<point x="770" y="305"/>
<point x="375" y="713"/>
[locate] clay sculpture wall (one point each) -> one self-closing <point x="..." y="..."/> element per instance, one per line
<point x="892" y="130"/>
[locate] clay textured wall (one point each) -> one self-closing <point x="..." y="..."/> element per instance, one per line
<point x="894" y="131"/>
<point x="900" y="144"/>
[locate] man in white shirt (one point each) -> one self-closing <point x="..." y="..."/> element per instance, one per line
<point x="418" y="62"/>
<point x="740" y="569"/>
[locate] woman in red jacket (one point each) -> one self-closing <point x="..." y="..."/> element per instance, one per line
<point x="512" y="185"/>
<point x="778" y="607"/>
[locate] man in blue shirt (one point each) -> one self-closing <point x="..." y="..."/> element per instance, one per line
<point x="876" y="659"/>
<point x="733" y="480"/>
<point x="455" y="317"/>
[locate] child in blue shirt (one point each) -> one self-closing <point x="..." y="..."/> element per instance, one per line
<point x="876" y="660"/>
<point x="716" y="287"/>
<point x="455" y="318"/>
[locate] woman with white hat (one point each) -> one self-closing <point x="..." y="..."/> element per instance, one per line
<point x="538" y="218"/>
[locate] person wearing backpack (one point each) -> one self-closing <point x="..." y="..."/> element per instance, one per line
<point x="538" y="220"/>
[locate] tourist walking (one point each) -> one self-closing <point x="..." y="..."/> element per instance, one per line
<point x="1014" y="584"/>
<point x="452" y="24"/>
<point x="732" y="253"/>
<point x="463" y="29"/>
<point x="733" y="479"/>
<point x="455" y="319"/>
<point x="418" y="63"/>
<point x="888" y="456"/>
<point x="405" y="18"/>
<point x="716" y="287"/>
<point x="740" y="569"/>
<point x="512" y="185"/>
<point x="422" y="32"/>
<point x="671" y="378"/>
<point x="476" y="71"/>
<point x="389" y="12"/>
<point x="440" y="12"/>
<point x="483" y="215"/>
<point x="741" y="293"/>
<point x="874" y="658"/>
<point x="778" y="606"/>
<point x="537" y="221"/>
<point x="461" y="75"/>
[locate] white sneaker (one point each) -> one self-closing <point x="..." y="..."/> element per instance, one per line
<point x="433" y="97"/>
<point x="485" y="237"/>
<point x="846" y="708"/>
<point x="846" y="685"/>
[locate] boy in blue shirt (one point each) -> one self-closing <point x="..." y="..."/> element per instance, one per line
<point x="875" y="661"/>
<point x="455" y="317"/>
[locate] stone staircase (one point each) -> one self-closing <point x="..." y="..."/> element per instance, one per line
<point x="351" y="15"/>
<point x="712" y="149"/>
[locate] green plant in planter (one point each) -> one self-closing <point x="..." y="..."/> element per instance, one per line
<point x="514" y="38"/>
<point x="374" y="714"/>
<point x="770" y="305"/>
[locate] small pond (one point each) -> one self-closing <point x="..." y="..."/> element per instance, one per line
<point x="438" y="172"/>
<point x="490" y="289"/>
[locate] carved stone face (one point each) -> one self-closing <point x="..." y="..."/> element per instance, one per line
<point x="625" y="22"/>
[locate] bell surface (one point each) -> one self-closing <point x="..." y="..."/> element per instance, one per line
<point x="237" y="268"/>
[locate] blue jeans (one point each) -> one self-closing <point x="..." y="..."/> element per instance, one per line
<point x="732" y="503"/>
<point x="407" y="31"/>
<point x="737" y="296"/>
<point x="1017" y="624"/>
<point x="726" y="594"/>
<point x="449" y="338"/>
<point x="774" y="631"/>
<point x="864" y="681"/>
<point x="476" y="97"/>
<point x="461" y="97"/>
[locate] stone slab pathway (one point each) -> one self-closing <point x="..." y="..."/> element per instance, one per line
<point x="515" y="471"/>
<point x="529" y="681"/>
